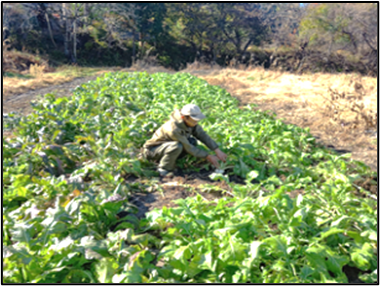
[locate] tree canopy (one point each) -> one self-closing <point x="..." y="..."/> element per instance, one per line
<point x="174" y="34"/>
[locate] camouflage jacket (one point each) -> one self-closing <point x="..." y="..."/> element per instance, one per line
<point x="176" y="130"/>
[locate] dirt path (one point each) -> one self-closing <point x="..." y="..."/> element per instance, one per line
<point x="21" y="102"/>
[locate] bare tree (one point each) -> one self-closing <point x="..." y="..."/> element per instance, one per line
<point x="350" y="27"/>
<point x="76" y="19"/>
<point x="242" y="25"/>
<point x="283" y="20"/>
<point x="67" y="33"/>
<point x="120" y="19"/>
<point x="362" y="30"/>
<point x="191" y="22"/>
<point x="71" y="19"/>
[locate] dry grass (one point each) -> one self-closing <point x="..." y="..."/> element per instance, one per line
<point x="40" y="79"/>
<point x="306" y="92"/>
<point x="339" y="109"/>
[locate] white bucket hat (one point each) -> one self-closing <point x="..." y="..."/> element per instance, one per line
<point x="193" y="111"/>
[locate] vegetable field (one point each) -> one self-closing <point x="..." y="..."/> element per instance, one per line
<point x="68" y="215"/>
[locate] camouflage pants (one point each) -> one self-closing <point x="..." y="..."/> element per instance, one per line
<point x="167" y="153"/>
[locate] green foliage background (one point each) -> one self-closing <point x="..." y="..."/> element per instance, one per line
<point x="175" y="34"/>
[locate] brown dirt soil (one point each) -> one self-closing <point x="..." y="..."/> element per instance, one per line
<point x="181" y="186"/>
<point x="184" y="185"/>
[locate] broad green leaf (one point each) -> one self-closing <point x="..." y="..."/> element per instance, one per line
<point x="254" y="250"/>
<point x="118" y="278"/>
<point x="363" y="256"/>
<point x="61" y="244"/>
<point x="216" y="176"/>
<point x="278" y="245"/>
<point x="92" y="245"/>
<point x="105" y="270"/>
<point x="306" y="272"/>
<point x="369" y="277"/>
<point x="331" y="231"/>
<point x="21" y="232"/>
<point x="208" y="262"/>
<point x="323" y="259"/>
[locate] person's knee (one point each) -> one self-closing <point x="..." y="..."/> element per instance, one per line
<point x="177" y="147"/>
<point x="174" y="148"/>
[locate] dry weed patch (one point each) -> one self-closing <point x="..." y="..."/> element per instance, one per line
<point x="40" y="78"/>
<point x="350" y="110"/>
<point x="340" y="109"/>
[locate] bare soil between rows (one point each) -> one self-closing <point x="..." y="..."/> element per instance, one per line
<point x="191" y="184"/>
<point x="181" y="186"/>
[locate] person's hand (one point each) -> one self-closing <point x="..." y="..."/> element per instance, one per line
<point x="221" y="155"/>
<point x="213" y="160"/>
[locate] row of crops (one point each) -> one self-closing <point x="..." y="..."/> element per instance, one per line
<point x="64" y="189"/>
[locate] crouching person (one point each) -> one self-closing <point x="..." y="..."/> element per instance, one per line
<point x="173" y="140"/>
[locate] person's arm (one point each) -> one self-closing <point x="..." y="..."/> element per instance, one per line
<point x="222" y="156"/>
<point x="176" y="135"/>
<point x="202" y="136"/>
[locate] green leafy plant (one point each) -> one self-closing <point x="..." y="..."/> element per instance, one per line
<point x="297" y="219"/>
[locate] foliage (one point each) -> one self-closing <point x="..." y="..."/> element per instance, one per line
<point x="174" y="34"/>
<point x="320" y="22"/>
<point x="348" y="27"/>
<point x="63" y="193"/>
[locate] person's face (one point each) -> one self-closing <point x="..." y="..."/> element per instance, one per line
<point x="189" y="121"/>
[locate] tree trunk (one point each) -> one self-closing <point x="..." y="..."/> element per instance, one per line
<point x="246" y="47"/>
<point x="199" y="51"/>
<point x="49" y="27"/>
<point x="75" y="34"/>
<point x="200" y="48"/>
<point x="66" y="41"/>
<point x="194" y="46"/>
<point x="134" y="48"/>
<point x="142" y="56"/>
<point x="86" y="12"/>
<point x="331" y="43"/>
<point x="238" y="43"/>
<point x="213" y="55"/>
